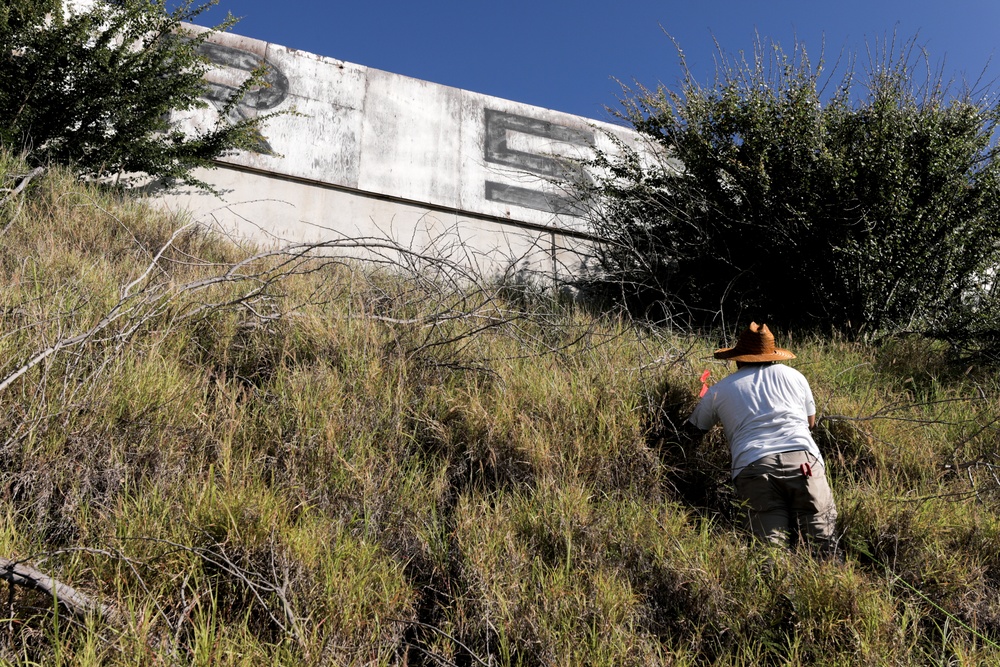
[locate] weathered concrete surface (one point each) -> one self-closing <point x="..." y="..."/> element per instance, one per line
<point x="370" y="153"/>
<point x="272" y="210"/>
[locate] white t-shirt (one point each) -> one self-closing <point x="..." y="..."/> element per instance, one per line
<point x="764" y="410"/>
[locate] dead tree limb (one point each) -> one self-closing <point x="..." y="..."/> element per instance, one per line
<point x="34" y="173"/>
<point x="77" y="603"/>
<point x="37" y="171"/>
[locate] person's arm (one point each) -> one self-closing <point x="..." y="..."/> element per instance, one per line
<point x="812" y="422"/>
<point x="692" y="432"/>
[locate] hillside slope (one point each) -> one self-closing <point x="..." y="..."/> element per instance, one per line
<point x="283" y="458"/>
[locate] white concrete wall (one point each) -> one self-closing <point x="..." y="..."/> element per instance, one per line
<point x="371" y="153"/>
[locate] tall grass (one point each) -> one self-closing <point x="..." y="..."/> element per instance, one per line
<point x="330" y="474"/>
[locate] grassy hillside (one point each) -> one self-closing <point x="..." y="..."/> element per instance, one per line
<point x="285" y="459"/>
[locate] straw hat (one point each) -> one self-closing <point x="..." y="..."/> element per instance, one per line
<point x="755" y="344"/>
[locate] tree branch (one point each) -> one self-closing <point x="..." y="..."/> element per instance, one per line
<point x="77" y="603"/>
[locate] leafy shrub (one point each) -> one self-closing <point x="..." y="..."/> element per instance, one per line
<point x="95" y="89"/>
<point x="860" y="206"/>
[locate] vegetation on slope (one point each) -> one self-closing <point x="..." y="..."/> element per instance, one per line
<point x="857" y="195"/>
<point x="283" y="458"/>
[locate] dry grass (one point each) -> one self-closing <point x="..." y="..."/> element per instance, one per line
<point x="330" y="472"/>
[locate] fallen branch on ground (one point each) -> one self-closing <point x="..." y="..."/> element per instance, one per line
<point x="77" y="603"/>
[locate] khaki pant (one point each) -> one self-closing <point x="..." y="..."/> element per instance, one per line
<point x="784" y="505"/>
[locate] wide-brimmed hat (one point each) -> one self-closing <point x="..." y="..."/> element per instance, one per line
<point x="755" y="344"/>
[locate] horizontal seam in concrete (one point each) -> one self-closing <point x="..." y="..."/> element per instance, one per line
<point x="521" y="224"/>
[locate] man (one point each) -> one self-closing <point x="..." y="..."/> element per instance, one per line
<point x="767" y="410"/>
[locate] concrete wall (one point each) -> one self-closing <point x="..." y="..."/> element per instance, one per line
<point x="370" y="153"/>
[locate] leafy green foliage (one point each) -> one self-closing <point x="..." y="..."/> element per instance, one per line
<point x="862" y="208"/>
<point x="96" y="89"/>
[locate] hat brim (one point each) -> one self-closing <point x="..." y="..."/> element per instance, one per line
<point x="735" y="354"/>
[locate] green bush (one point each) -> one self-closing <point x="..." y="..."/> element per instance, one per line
<point x="96" y="89"/>
<point x="778" y="193"/>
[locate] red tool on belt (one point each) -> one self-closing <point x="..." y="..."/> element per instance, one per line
<point x="806" y="469"/>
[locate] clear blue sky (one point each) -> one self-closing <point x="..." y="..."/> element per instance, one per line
<point x="566" y="55"/>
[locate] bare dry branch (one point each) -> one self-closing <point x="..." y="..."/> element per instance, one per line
<point x="13" y="192"/>
<point x="77" y="603"/>
<point x="25" y="180"/>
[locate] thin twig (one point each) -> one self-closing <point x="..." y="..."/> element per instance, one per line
<point x="444" y="634"/>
